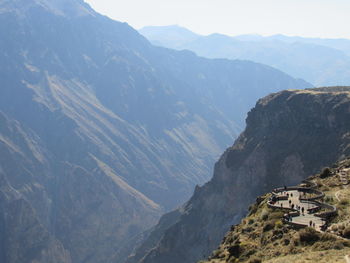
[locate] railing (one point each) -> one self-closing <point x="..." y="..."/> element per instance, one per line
<point x="310" y="188"/>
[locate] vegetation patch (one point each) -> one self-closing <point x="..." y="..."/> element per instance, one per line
<point x="263" y="237"/>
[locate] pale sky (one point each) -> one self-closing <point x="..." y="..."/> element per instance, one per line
<point x="310" y="18"/>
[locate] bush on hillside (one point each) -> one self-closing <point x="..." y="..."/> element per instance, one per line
<point x="269" y="226"/>
<point x="346" y="232"/>
<point x="308" y="236"/>
<point x="326" y="172"/>
<point x="344" y="202"/>
<point x="264" y="215"/>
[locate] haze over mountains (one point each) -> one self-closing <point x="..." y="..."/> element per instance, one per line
<point x="101" y="131"/>
<point x="322" y="62"/>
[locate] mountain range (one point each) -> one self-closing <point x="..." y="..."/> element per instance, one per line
<point x="101" y="132"/>
<point x="322" y="62"/>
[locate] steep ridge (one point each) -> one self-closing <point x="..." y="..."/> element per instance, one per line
<point x="101" y="131"/>
<point x="289" y="135"/>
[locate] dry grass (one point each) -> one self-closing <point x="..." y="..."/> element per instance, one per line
<point x="329" y="256"/>
<point x="263" y="236"/>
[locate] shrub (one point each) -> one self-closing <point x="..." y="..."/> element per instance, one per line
<point x="250" y="221"/>
<point x="344" y="202"/>
<point x="247" y="229"/>
<point x="269" y="226"/>
<point x="264" y="215"/>
<point x="234" y="250"/>
<point x="325" y="172"/>
<point x="329" y="199"/>
<point x="346" y="232"/>
<point x="308" y="236"/>
<point x="286" y="242"/>
<point x="254" y="235"/>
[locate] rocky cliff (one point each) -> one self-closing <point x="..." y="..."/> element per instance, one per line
<point x="289" y="136"/>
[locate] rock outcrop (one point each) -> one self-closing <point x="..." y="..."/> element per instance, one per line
<point x="289" y="136"/>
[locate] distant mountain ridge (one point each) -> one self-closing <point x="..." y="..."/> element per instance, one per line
<point x="101" y="131"/>
<point x="319" y="61"/>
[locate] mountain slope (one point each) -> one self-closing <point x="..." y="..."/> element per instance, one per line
<point x="289" y="135"/>
<point x="101" y="131"/>
<point x="263" y="236"/>
<point x="320" y="61"/>
<point x="24" y="237"/>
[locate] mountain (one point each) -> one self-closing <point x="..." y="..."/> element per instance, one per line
<point x="101" y="132"/>
<point x="263" y="236"/>
<point x="172" y="36"/>
<point x="289" y="136"/>
<point x="322" y="62"/>
<point x="341" y="44"/>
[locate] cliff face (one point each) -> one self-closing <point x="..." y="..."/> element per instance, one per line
<point x="289" y="136"/>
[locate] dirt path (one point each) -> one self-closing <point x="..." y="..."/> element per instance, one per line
<point x="337" y="195"/>
<point x="344" y="179"/>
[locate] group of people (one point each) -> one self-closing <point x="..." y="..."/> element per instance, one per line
<point x="285" y="199"/>
<point x="300" y="209"/>
<point x="312" y="224"/>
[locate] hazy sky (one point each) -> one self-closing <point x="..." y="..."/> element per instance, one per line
<point x="313" y="18"/>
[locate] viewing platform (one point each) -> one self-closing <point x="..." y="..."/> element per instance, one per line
<point x="302" y="206"/>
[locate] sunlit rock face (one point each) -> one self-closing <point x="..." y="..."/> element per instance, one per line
<point x="289" y="136"/>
